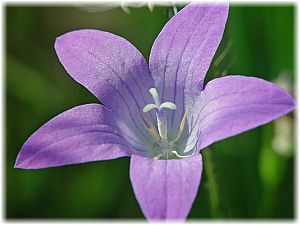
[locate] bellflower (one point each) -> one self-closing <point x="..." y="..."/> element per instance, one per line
<point x="161" y="116"/>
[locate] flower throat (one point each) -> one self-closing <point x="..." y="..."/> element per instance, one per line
<point x="167" y="149"/>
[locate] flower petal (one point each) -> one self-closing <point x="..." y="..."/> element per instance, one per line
<point x="165" y="189"/>
<point x="182" y="53"/>
<point x="234" y="104"/>
<point x="82" y="134"/>
<point x="114" y="71"/>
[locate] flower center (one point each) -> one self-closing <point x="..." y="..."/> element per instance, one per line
<point x="165" y="148"/>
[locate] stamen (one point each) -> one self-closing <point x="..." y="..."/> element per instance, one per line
<point x="150" y="128"/>
<point x="160" y="115"/>
<point x="162" y="126"/>
<point x="181" y="126"/>
<point x="159" y="155"/>
<point x="160" y="133"/>
<point x="182" y="156"/>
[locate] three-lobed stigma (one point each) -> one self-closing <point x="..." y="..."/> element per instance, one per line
<point x="166" y="149"/>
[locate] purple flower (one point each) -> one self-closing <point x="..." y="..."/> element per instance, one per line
<point x="161" y="116"/>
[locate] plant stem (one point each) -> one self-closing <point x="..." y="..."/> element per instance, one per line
<point x="213" y="185"/>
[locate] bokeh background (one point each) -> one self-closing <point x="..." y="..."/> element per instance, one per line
<point x="247" y="176"/>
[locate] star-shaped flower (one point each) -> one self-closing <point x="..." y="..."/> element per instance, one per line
<point x="161" y="116"/>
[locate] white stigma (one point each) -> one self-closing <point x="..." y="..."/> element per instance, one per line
<point x="160" y="135"/>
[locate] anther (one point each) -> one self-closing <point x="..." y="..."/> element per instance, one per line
<point x="150" y="128"/>
<point x="160" y="116"/>
<point x="159" y="155"/>
<point x="182" y="156"/>
<point x="162" y="125"/>
<point x="181" y="127"/>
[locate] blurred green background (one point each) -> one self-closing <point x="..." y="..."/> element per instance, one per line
<point x="247" y="176"/>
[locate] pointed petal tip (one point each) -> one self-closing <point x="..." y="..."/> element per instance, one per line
<point x="61" y="37"/>
<point x="293" y="101"/>
<point x="222" y="8"/>
<point x="292" y="104"/>
<point x="17" y="162"/>
<point x="289" y="99"/>
<point x="57" y="42"/>
<point x="18" y="165"/>
<point x="224" y="5"/>
<point x="58" y="38"/>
